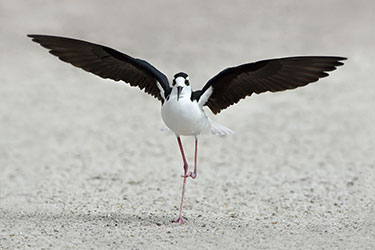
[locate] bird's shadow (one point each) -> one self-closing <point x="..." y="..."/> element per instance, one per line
<point x="112" y="219"/>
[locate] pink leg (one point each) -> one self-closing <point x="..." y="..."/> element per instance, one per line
<point x="180" y="220"/>
<point x="194" y="174"/>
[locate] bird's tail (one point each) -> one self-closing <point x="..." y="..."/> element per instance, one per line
<point x="218" y="129"/>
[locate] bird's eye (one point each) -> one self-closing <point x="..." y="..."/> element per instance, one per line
<point x="187" y="82"/>
<point x="174" y="82"/>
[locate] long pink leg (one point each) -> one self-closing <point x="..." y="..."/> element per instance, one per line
<point x="180" y="220"/>
<point x="194" y="174"/>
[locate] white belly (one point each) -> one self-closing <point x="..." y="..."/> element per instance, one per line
<point x="184" y="117"/>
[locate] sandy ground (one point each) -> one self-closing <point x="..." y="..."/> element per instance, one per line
<point x="84" y="165"/>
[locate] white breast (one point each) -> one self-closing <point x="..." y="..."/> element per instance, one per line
<point x="184" y="117"/>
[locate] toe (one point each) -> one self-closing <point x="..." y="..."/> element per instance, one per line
<point x="180" y="221"/>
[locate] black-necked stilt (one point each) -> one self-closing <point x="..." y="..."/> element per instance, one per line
<point x="182" y="108"/>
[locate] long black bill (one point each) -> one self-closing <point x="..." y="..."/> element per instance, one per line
<point x="179" y="89"/>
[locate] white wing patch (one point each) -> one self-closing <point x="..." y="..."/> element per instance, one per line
<point x="204" y="97"/>
<point x="161" y="90"/>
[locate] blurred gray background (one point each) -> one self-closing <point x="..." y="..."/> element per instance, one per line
<point x="83" y="163"/>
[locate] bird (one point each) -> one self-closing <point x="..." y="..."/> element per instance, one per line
<point x="182" y="108"/>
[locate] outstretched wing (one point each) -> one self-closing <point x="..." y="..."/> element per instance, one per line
<point x="107" y="63"/>
<point x="234" y="84"/>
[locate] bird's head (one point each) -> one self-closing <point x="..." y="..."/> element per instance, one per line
<point x="181" y="85"/>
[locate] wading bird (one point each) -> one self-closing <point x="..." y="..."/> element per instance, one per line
<point x="182" y="108"/>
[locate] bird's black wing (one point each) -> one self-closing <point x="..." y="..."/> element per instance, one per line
<point x="106" y="63"/>
<point x="234" y="84"/>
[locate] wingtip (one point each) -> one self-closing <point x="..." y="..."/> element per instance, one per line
<point x="337" y="61"/>
<point x="340" y="61"/>
<point x="33" y="37"/>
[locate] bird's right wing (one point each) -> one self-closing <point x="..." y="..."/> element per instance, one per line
<point x="234" y="84"/>
<point x="107" y="63"/>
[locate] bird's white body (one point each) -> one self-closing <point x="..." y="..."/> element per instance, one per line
<point x="183" y="116"/>
<point x="186" y="117"/>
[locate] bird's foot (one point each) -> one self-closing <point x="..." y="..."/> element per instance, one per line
<point x="190" y="174"/>
<point x="180" y="220"/>
<point x="193" y="175"/>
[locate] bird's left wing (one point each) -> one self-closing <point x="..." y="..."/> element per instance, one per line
<point x="107" y="63"/>
<point x="234" y="84"/>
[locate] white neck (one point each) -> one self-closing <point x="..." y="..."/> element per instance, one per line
<point x="185" y="93"/>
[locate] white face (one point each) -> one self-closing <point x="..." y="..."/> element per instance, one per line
<point x="181" y="87"/>
<point x="181" y="81"/>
